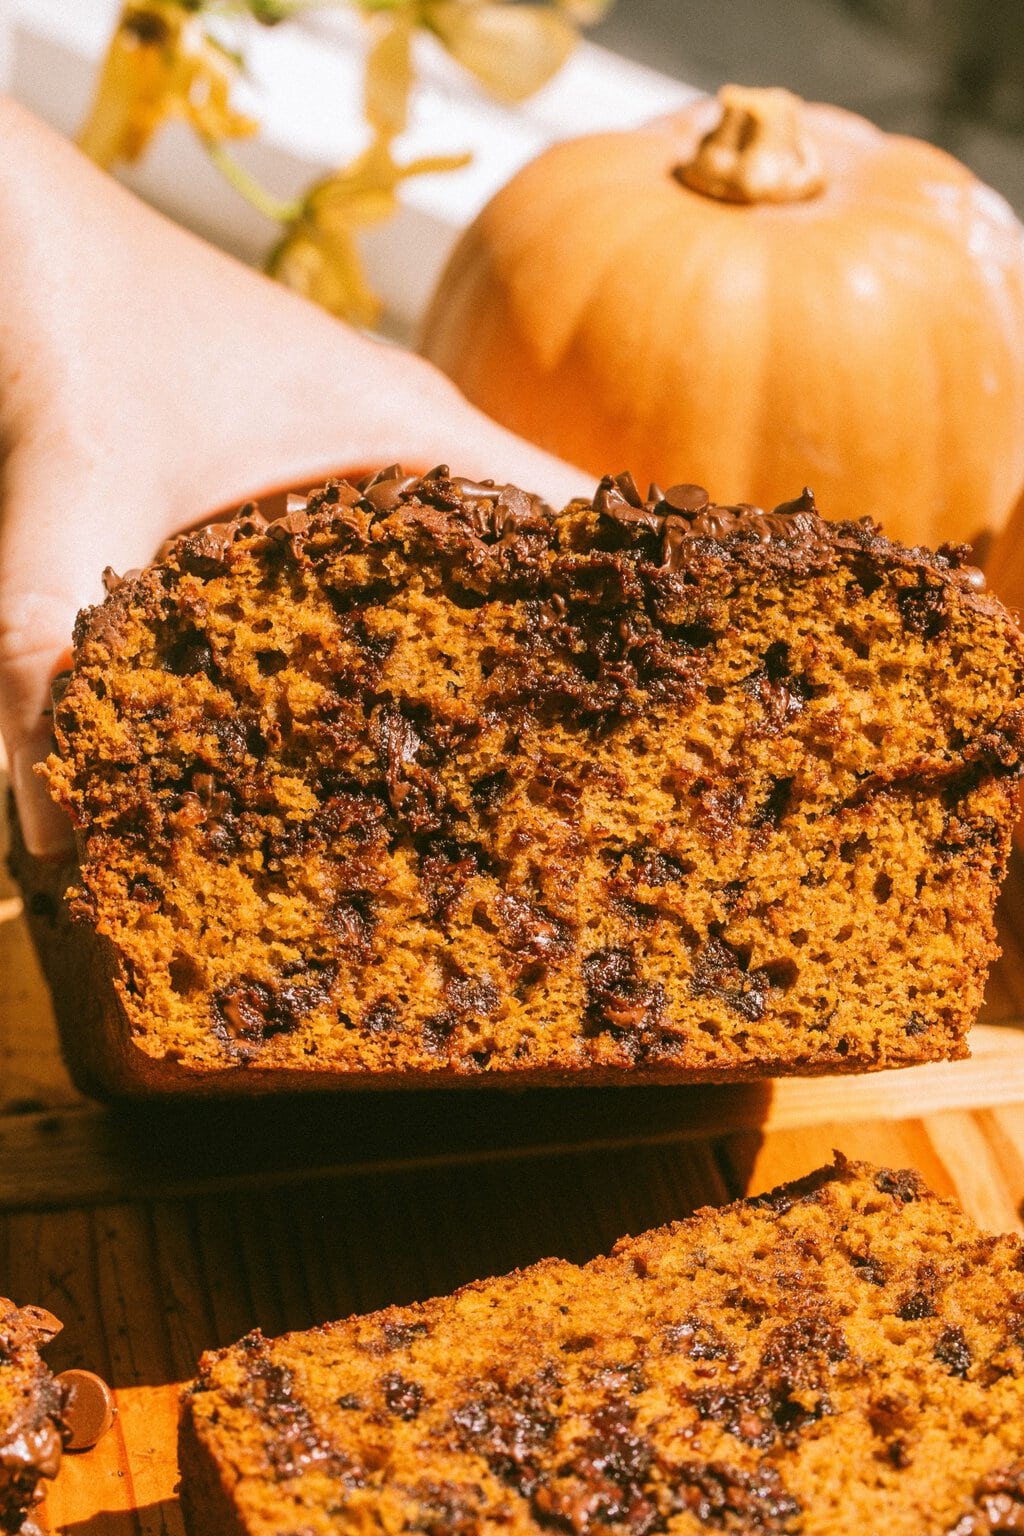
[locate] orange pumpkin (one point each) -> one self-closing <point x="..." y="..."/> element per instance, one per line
<point x="754" y="294"/>
<point x="1004" y="566"/>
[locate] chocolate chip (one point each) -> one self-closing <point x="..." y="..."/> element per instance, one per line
<point x="686" y="498"/>
<point x="901" y="1183"/>
<point x="386" y="494"/>
<point x="867" y="1268"/>
<point x="89" y="1408"/>
<point x="404" y="1398"/>
<point x="191" y="653"/>
<point x="628" y="487"/>
<point x="804" y="503"/>
<point x="380" y="1017"/>
<point x="401" y="1334"/>
<point x="42" y="1323"/>
<point x="531" y="931"/>
<point x="471" y="995"/>
<point x="146" y="28"/>
<point x="578" y="1343"/>
<point x="924" y="609"/>
<point x="618" y="997"/>
<point x="972" y="577"/>
<point x="719" y="971"/>
<point x="916" y="1306"/>
<point x="953" y="1351"/>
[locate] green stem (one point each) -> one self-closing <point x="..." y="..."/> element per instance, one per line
<point x="274" y="208"/>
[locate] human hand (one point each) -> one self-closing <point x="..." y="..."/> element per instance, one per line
<point x="147" y="379"/>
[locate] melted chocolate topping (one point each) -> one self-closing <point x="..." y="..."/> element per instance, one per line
<point x="684" y="526"/>
<point x="28" y="1325"/>
<point x="33" y="1450"/>
<point x="686" y="520"/>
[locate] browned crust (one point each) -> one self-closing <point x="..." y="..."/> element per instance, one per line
<point x="489" y="535"/>
<point x="205" y="1491"/>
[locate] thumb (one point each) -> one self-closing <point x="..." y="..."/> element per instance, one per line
<point x="58" y="530"/>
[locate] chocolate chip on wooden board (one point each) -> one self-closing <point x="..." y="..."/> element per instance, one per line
<point x="89" y="1408"/>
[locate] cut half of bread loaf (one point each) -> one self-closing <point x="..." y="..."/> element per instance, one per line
<point x="426" y="783"/>
<point x="841" y="1357"/>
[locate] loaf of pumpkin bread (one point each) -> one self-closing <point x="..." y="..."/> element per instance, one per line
<point x="425" y="783"/>
<point x="842" y="1357"/>
<point x="31" y="1403"/>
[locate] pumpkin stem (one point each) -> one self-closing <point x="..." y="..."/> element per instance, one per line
<point x="759" y="152"/>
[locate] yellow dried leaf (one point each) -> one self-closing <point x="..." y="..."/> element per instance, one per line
<point x="388" y="78"/>
<point x="319" y="255"/>
<point x="585" y="13"/>
<point x="326" y="268"/>
<point x="511" y="49"/>
<point x="160" y="64"/>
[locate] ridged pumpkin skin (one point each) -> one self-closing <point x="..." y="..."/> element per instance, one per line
<point x="867" y="341"/>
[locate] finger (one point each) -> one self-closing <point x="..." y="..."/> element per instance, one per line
<point x="34" y="637"/>
<point x="35" y="631"/>
<point x="58" y="521"/>
<point x="158" y="345"/>
<point x="45" y="829"/>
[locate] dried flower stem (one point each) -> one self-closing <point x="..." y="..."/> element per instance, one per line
<point x="278" y="210"/>
<point x="165" y="61"/>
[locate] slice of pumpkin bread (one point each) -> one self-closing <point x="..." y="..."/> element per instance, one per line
<point x="426" y="783"/>
<point x="841" y="1357"/>
<point x="31" y="1404"/>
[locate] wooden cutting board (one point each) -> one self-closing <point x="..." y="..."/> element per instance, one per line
<point x="147" y="1279"/>
<point x="157" y="1233"/>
